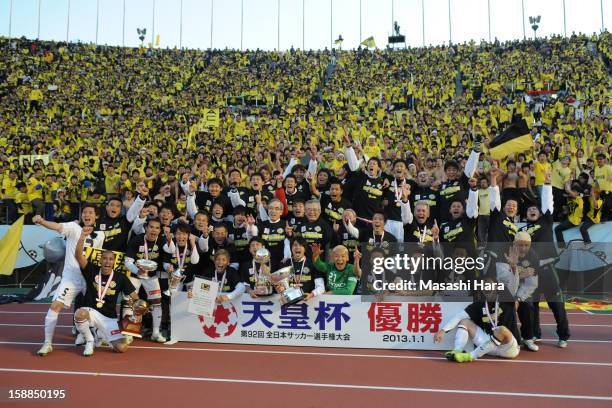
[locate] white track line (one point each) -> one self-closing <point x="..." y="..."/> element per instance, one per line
<point x="308" y="384"/>
<point x="324" y="354"/>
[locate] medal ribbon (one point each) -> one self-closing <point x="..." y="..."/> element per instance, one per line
<point x="215" y="279"/>
<point x="422" y="234"/>
<point x="102" y="292"/>
<point x="382" y="237"/>
<point x="493" y="322"/>
<point x="298" y="279"/>
<point x="146" y="248"/>
<point x="398" y="189"/>
<point x="180" y="261"/>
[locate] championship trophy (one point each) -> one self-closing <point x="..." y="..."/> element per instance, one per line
<point x="146" y="265"/>
<point x="289" y="295"/>
<point x="131" y="325"/>
<point x="174" y="281"/>
<point x="261" y="267"/>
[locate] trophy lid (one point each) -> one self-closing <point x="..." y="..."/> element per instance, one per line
<point x="262" y="255"/>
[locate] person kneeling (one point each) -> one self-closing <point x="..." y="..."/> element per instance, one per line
<point x="490" y="324"/>
<point x="99" y="310"/>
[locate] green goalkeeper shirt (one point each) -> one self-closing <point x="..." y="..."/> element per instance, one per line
<point x="338" y="282"/>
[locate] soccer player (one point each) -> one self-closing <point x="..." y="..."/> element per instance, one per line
<point x="374" y="234"/>
<point x="117" y="227"/>
<point x="393" y="199"/>
<point x="103" y="286"/>
<point x="455" y="188"/>
<point x="305" y="275"/>
<point x="461" y="226"/>
<point x="231" y="284"/>
<point x="341" y="277"/>
<point x="489" y="323"/>
<point x="540" y="227"/>
<point x="273" y="233"/>
<point x="72" y="282"/>
<point x="148" y="246"/>
<point x="315" y="230"/>
<point x="501" y="223"/>
<point x="181" y="253"/>
<point x="368" y="186"/>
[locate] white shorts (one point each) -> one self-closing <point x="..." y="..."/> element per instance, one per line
<point x="396" y="228"/>
<point x="108" y="327"/>
<point x="508" y="350"/>
<point x="67" y="291"/>
<point x="150" y="285"/>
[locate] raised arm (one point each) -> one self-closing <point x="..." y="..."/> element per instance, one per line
<point x="78" y="252"/>
<point x="38" y="220"/>
<point x="494" y="190"/>
<point x="471" y="208"/>
<point x="547" y="195"/>
<point x="470" y="166"/>
<point x="139" y="202"/>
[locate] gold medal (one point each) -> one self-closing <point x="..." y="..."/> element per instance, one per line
<point x="99" y="305"/>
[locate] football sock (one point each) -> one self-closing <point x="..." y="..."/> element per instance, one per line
<point x="83" y="328"/>
<point x="156" y="313"/>
<point x="50" y="322"/>
<point x="461" y="338"/>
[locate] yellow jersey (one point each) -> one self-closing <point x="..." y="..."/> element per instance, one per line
<point x="575" y="206"/>
<point x="560" y="175"/>
<point x="8" y="188"/>
<point x="35" y="188"/>
<point x="540" y="170"/>
<point x="602" y="177"/>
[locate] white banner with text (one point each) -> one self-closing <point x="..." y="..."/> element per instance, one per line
<point x="324" y="321"/>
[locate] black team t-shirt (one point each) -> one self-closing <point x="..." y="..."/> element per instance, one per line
<point x="119" y="284"/>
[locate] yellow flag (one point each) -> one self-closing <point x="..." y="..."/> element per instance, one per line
<point x="369" y="42"/>
<point x="157" y="40"/>
<point x="9" y="247"/>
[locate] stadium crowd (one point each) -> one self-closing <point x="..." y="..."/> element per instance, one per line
<point x="308" y="154"/>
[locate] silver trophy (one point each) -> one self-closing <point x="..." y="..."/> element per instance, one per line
<point x="262" y="267"/>
<point x="289" y="294"/>
<point x="146" y="265"/>
<point x="175" y="279"/>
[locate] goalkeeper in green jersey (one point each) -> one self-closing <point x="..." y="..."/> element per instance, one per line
<point x="341" y="277"/>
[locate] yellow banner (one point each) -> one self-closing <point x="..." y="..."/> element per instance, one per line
<point x="9" y="247"/>
<point x="210" y="117"/>
<point x="94" y="255"/>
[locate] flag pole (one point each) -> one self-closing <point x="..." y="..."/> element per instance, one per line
<point x="153" y="27"/>
<point x="123" y="27"/>
<point x="68" y="22"/>
<point x="38" y="30"/>
<point x="423" y="19"/>
<point x="212" y="9"/>
<point x="331" y="24"/>
<point x="241" y="22"/>
<point x="181" y="28"/>
<point x="360" y="37"/>
<point x="97" y="18"/>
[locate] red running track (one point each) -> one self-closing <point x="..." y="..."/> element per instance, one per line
<point x="190" y="374"/>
